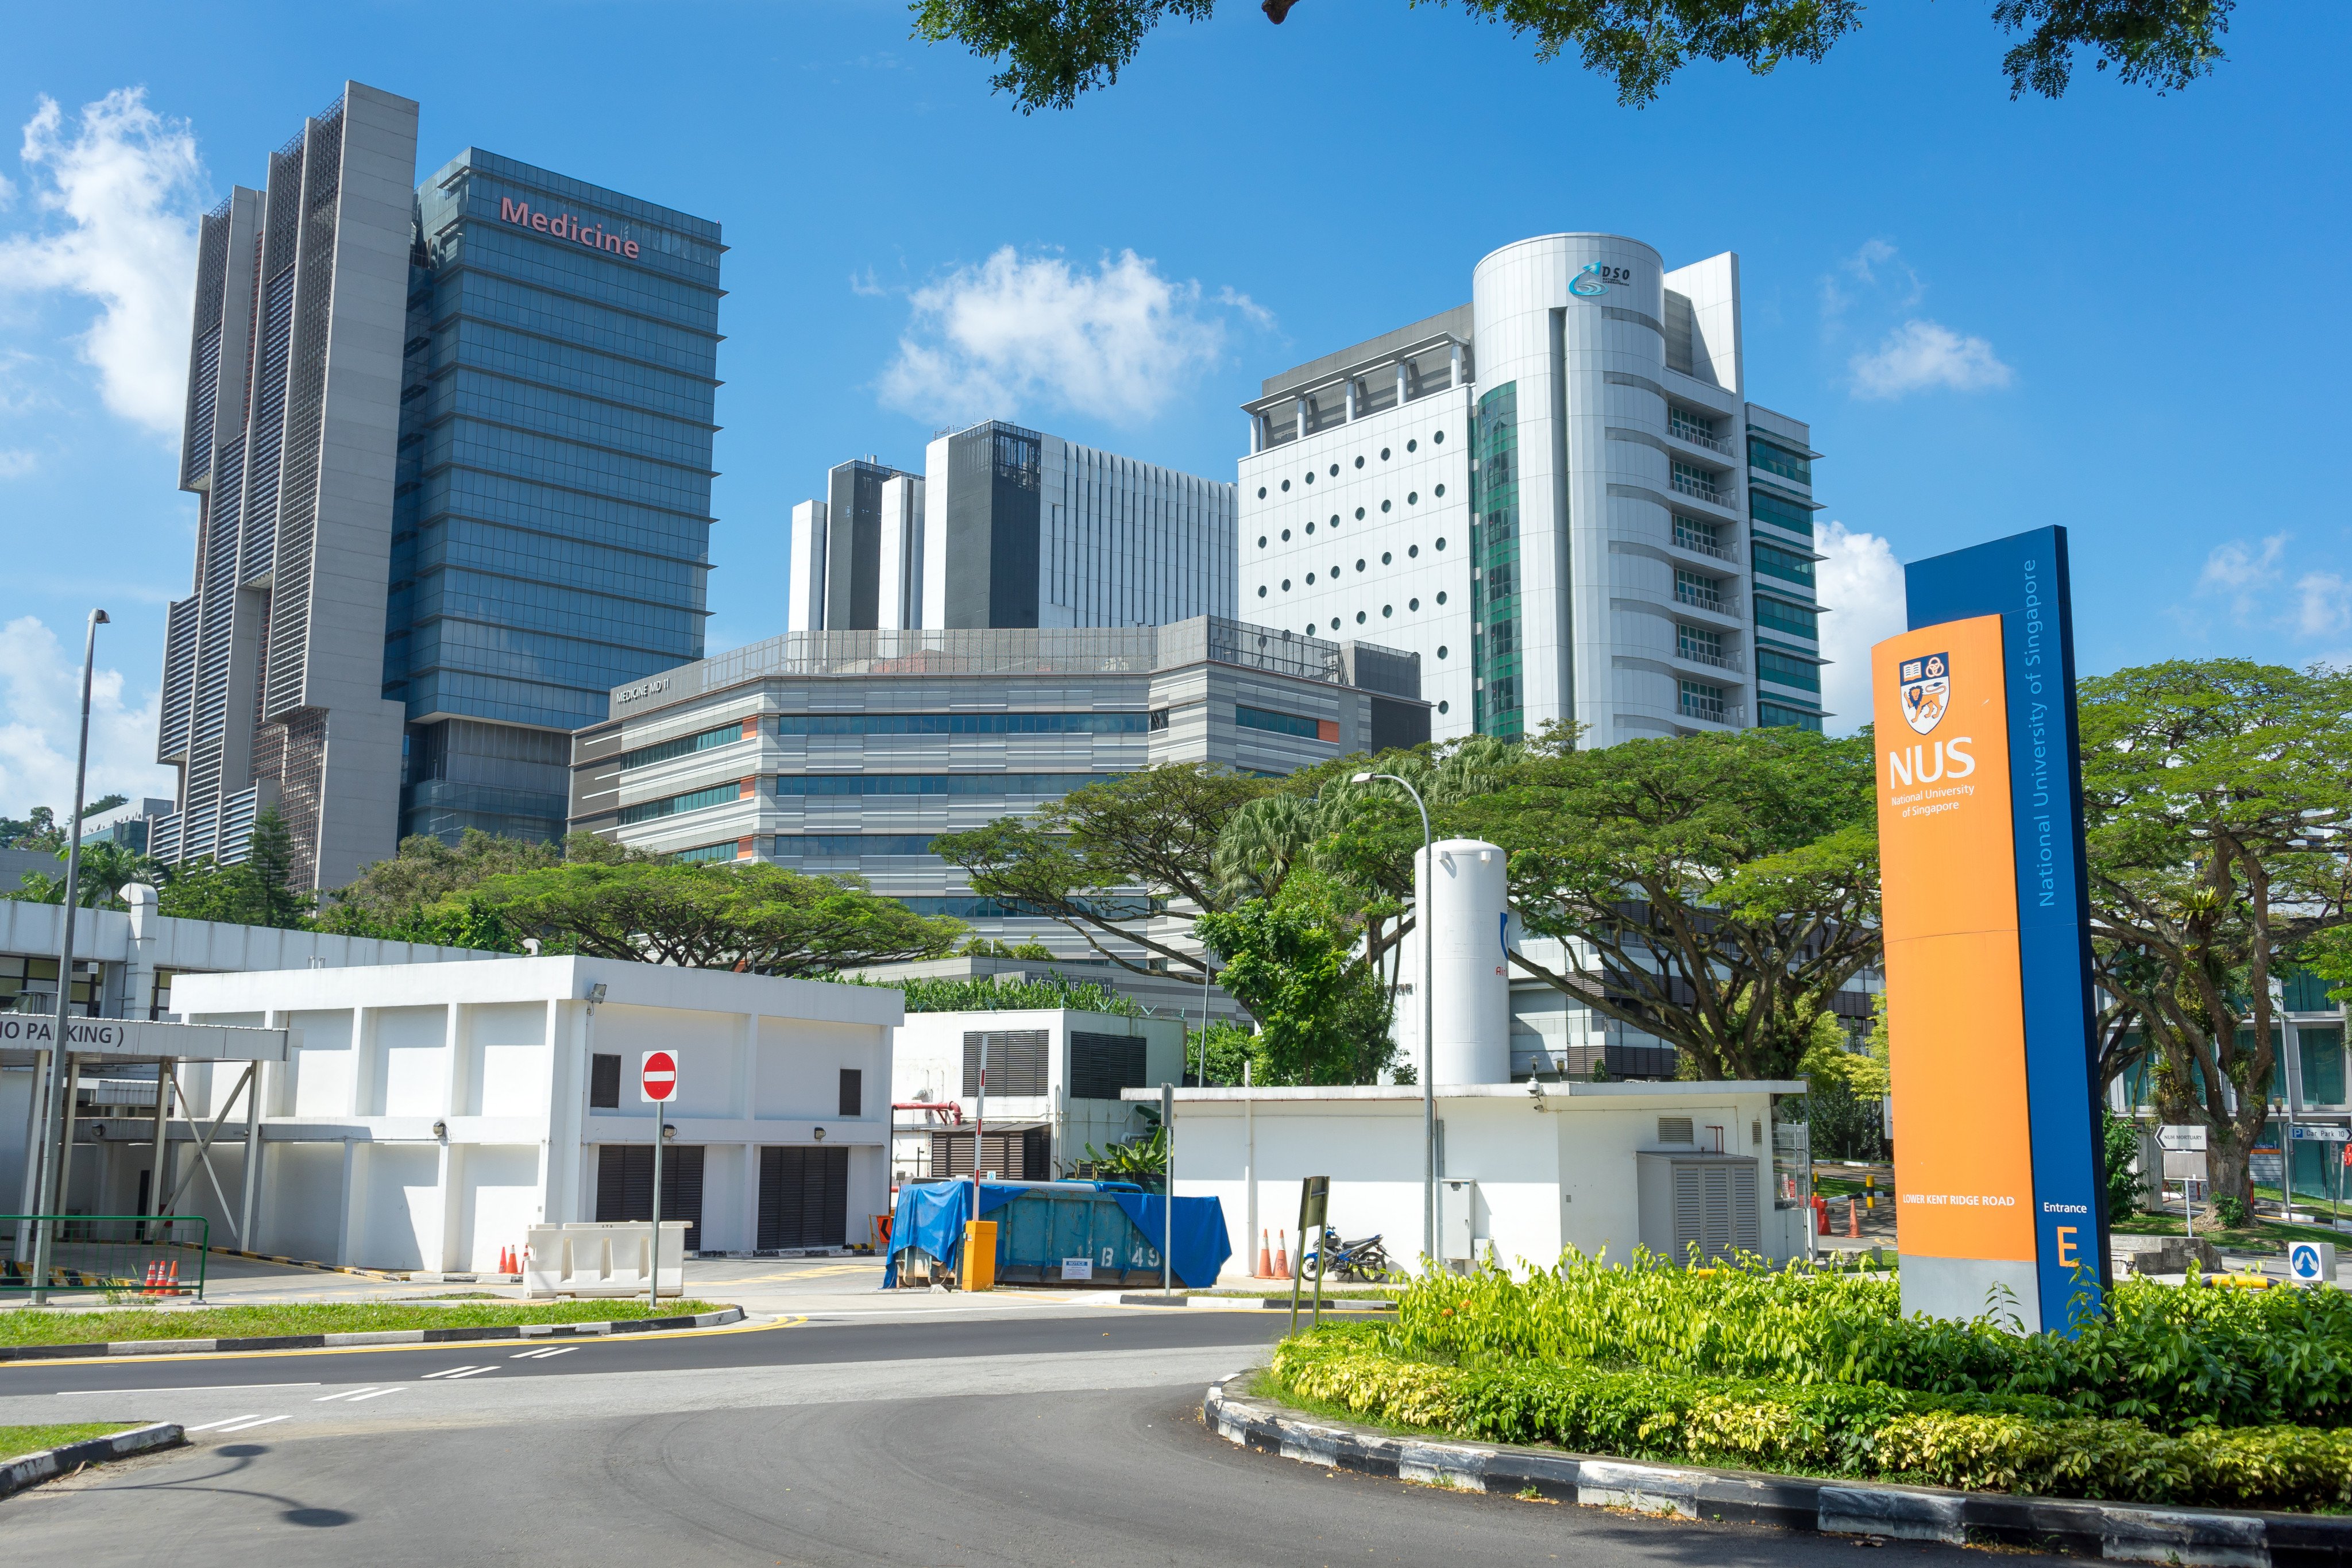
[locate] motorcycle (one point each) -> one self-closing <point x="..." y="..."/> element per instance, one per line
<point x="1365" y="1260"/>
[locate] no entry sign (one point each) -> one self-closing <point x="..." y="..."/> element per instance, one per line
<point x="658" y="1081"/>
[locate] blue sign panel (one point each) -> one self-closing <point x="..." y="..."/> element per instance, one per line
<point x="2024" y="580"/>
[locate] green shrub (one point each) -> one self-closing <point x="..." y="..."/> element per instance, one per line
<point x="2173" y="1359"/>
<point x="2015" y="1443"/>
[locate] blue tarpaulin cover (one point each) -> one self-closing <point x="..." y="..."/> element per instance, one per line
<point x="932" y="1214"/>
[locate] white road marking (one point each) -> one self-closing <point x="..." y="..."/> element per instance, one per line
<point x="222" y="1421"/>
<point x="376" y="1394"/>
<point x="200" y="1388"/>
<point x="465" y="1371"/>
<point x="347" y="1393"/>
<point x="249" y="1423"/>
<point x="543" y="1355"/>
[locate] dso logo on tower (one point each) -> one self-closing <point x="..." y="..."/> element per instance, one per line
<point x="1595" y="279"/>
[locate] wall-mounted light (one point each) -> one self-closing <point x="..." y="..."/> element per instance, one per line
<point x="820" y="1135"/>
<point x="668" y="1132"/>
<point x="596" y="993"/>
<point x="441" y="1130"/>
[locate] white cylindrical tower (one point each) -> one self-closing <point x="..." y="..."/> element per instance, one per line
<point x="1465" y="895"/>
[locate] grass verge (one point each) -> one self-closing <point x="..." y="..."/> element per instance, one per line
<point x="15" y="1442"/>
<point x="25" y="1326"/>
<point x="2264" y="1236"/>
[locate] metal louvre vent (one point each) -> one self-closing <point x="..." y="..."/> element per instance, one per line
<point x="296" y="531"/>
<point x="179" y="679"/>
<point x="1017" y="1061"/>
<point x="1102" y="1065"/>
<point x="1714" y="1209"/>
<point x="1675" y="1129"/>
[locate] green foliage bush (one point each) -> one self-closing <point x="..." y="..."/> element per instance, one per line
<point x="2017" y="1443"/>
<point x="2174" y="1359"/>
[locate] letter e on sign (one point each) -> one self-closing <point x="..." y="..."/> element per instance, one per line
<point x="658" y="1081"/>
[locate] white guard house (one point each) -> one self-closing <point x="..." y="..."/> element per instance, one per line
<point x="1526" y="1169"/>
<point x="430" y="1113"/>
<point x="1054" y="1079"/>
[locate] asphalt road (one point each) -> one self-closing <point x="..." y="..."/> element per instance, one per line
<point x="1062" y="1437"/>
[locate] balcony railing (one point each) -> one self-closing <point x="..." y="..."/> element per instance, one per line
<point x="1705" y="492"/>
<point x="1704" y="599"/>
<point x="1683" y="430"/>
<point x="1686" y="539"/>
<point x="1720" y="660"/>
<point x="1712" y="711"/>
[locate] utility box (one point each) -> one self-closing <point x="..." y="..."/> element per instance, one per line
<point x="1693" y="1199"/>
<point x="1457" y="1199"/>
<point x="978" y="1255"/>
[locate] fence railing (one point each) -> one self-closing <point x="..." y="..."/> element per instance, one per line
<point x="134" y="1255"/>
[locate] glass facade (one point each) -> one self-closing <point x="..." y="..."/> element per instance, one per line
<point x="1496" y="656"/>
<point x="1782" y="563"/>
<point x="553" y="515"/>
<point x="1778" y="460"/>
<point x="1778" y="512"/>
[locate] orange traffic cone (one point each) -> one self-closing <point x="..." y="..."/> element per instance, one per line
<point x="1264" y="1258"/>
<point x="1853" y="1218"/>
<point x="506" y="1260"/>
<point x="172" y="1280"/>
<point x="1282" y="1256"/>
<point x="154" y="1277"/>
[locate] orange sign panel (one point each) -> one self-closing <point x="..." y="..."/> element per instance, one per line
<point x="1956" y="1019"/>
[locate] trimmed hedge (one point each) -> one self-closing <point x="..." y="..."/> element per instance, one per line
<point x="2015" y="1443"/>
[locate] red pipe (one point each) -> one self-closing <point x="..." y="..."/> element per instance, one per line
<point x="955" y="1112"/>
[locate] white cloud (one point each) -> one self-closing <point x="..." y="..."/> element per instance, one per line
<point x="1120" y="341"/>
<point x="1862" y="583"/>
<point x="864" y="283"/>
<point x="1920" y="354"/>
<point x="2242" y="574"/>
<point x="1876" y="267"/>
<point x="39" y="717"/>
<point x="15" y="463"/>
<point x="115" y="199"/>
<point x="2326" y="603"/>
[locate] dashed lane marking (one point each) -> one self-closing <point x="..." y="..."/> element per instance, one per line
<point x="223" y="1421"/>
<point x="543" y="1354"/>
<point x="249" y="1423"/>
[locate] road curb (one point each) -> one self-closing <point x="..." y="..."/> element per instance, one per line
<point x="49" y="1463"/>
<point x="1274" y="1303"/>
<point x="2118" y="1533"/>
<point x="379" y="1337"/>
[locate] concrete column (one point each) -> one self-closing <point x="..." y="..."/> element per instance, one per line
<point x="1351" y="399"/>
<point x="1257" y="434"/>
<point x="440" y="1252"/>
<point x="157" y="1187"/>
<point x="351" y="1223"/>
<point x="750" y="1215"/>
<point x="362" y="1096"/>
<point x="1401" y="373"/>
<point x="1301" y="402"/>
<point x="1458" y="364"/>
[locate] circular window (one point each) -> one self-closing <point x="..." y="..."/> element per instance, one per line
<point x="1384" y="454"/>
<point x="1359" y="617"/>
<point x="1335" y="622"/>
<point x="1285" y="536"/>
<point x="1261" y="492"/>
<point x="1310" y="528"/>
<point x="1386" y="557"/>
<point x="1359" y="514"/>
<point x="1384" y="506"/>
<point x="1441" y="595"/>
<point x="1286" y="584"/>
<point x="1261" y="541"/>
<point x="1335" y="470"/>
<point x="1412" y="551"/>
<point x="1441" y="490"/>
<point x="1311" y="577"/>
<point x="1310" y="477"/>
<point x="1412" y="445"/>
<point x="1359" y="563"/>
<point x="1261" y="589"/>
<point x="1335" y="519"/>
<point x="1441" y="650"/>
<point x="1335" y="571"/>
<point x="1285" y="484"/>
<point x="1412" y="497"/>
<point x="1445" y="706"/>
<point x="1387" y="610"/>
<point x="1437" y="437"/>
<point x="1441" y="541"/>
<point x="1413" y="603"/>
<point x="1359" y="462"/>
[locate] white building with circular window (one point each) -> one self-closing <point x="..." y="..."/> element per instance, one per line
<point x="1557" y="495"/>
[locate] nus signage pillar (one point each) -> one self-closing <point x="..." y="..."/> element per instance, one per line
<point x="2000" y="1199"/>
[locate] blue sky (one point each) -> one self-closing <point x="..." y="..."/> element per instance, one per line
<point x="2120" y="312"/>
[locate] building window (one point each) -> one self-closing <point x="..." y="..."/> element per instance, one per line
<point x="1797" y="620"/>
<point x="1359" y="514"/>
<point x="1441" y="541"/>
<point x="1778" y="563"/>
<point x="716" y="794"/>
<point x="1441" y="650"/>
<point x="1310" y="528"/>
<point x="1359" y="616"/>
<point x="1698" y="643"/>
<point x="1413" y="603"/>
<point x="1386" y="558"/>
<point x="1700" y="700"/>
<point x="1691" y="534"/>
<point x="853" y="1091"/>
<point x="1261" y="541"/>
<point x="1780" y="511"/>
<point x="684" y="745"/>
<point x="1411" y="552"/>
<point x="1285" y="484"/>
<point x="1286" y="584"/>
<point x="1441" y="595"/>
<point x="1780" y="461"/>
<point x="1441" y="491"/>
<point x="1285" y="536"/>
<point x="1412" y="497"/>
<point x="1359" y="462"/>
<point x="1359" y="563"/>
<point x="1160" y="715"/>
<point x="1278" y="723"/>
<point x="1437" y="437"/>
<point x="1261" y="492"/>
<point x="1335" y="470"/>
<point x="1771" y="715"/>
<point x="1694" y="589"/>
<point x="1385" y="505"/>
<point x="1444" y="707"/>
<point x="1412" y="445"/>
<point x="1384" y="454"/>
<point x="960" y="725"/>
<point x="604" y="1082"/>
<point x="1690" y="425"/>
<point x="1387" y="610"/>
<point x="1780" y="669"/>
<point x="1261" y="589"/>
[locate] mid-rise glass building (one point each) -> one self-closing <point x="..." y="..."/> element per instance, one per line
<point x="472" y="418"/>
<point x="552" y="527"/>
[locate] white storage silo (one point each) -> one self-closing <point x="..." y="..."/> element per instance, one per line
<point x="1468" y="905"/>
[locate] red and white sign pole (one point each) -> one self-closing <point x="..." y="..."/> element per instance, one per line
<point x="658" y="1082"/>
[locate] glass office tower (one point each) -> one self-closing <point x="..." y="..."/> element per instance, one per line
<point x="552" y="518"/>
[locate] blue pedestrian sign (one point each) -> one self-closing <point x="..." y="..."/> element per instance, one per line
<point x="2311" y="1262"/>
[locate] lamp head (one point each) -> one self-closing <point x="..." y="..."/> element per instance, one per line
<point x="597" y="993"/>
<point x="100" y="617"/>
<point x="1362" y="778"/>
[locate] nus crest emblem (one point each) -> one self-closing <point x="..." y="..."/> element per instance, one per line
<point x="1926" y="684"/>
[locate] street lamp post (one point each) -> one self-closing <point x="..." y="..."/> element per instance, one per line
<point x="46" y="1194"/>
<point x="1428" y="1028"/>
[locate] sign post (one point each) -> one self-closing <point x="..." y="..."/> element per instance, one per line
<point x="1988" y="940"/>
<point x="1314" y="1201"/>
<point x="658" y="1082"/>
